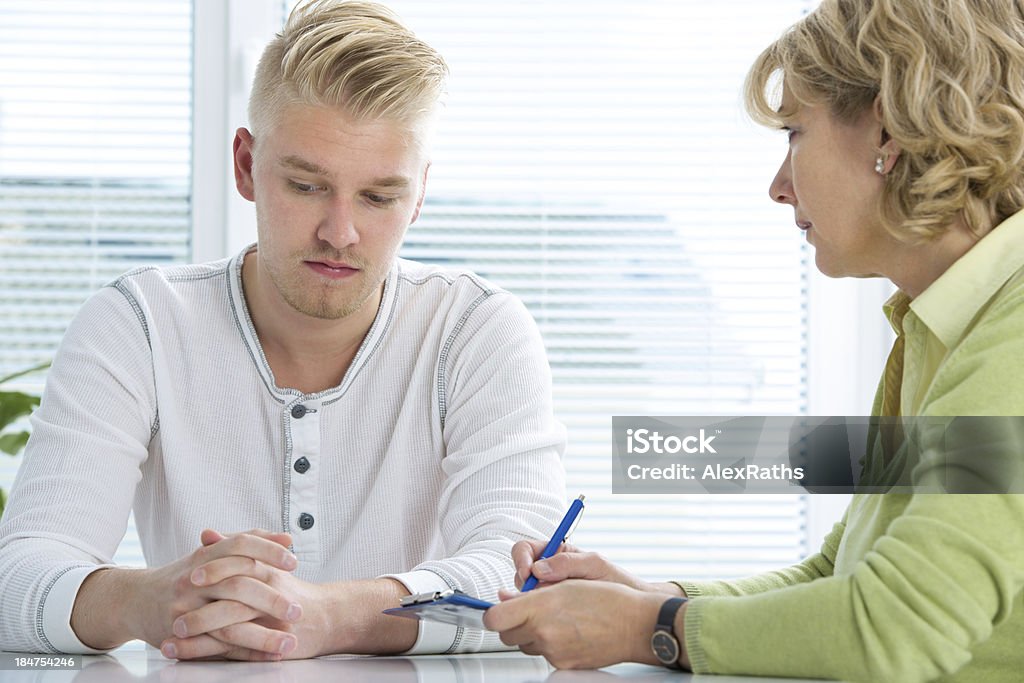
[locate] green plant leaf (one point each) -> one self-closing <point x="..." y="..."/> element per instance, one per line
<point x="12" y="443"/>
<point x="22" y="373"/>
<point x="3" y="500"/>
<point x="14" y="404"/>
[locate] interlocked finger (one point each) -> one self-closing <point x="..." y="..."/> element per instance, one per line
<point x="253" y="636"/>
<point x="250" y="546"/>
<point x="208" y="647"/>
<point x="213" y="616"/>
<point x="257" y="595"/>
<point x="217" y="570"/>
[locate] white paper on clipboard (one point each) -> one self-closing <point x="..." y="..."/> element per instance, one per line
<point x="447" y="607"/>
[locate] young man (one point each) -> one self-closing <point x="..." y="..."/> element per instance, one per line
<point x="381" y="416"/>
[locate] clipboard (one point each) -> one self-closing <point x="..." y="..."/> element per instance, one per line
<point x="448" y="607"/>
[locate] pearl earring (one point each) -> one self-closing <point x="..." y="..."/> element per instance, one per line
<point x="880" y="165"/>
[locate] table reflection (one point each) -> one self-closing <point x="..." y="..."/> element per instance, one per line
<point x="135" y="664"/>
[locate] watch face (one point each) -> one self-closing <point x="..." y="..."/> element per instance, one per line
<point x="665" y="647"/>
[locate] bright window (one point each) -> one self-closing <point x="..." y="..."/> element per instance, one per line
<point x="95" y="162"/>
<point x="594" y="159"/>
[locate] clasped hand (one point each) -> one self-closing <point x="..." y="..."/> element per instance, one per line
<point x="234" y="598"/>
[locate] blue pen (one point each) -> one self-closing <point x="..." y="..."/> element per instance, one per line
<point x="559" y="537"/>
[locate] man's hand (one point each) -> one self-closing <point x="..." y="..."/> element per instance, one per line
<point x="572" y="563"/>
<point x="235" y="598"/>
<point x="149" y="601"/>
<point x="339" y="617"/>
<point x="232" y="627"/>
<point x="579" y="624"/>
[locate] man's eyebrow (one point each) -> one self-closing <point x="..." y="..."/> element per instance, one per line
<point x="395" y="181"/>
<point x="303" y="165"/>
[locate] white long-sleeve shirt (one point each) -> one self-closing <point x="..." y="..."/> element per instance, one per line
<point x="436" y="452"/>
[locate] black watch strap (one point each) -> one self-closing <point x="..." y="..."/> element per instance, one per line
<point x="664" y="642"/>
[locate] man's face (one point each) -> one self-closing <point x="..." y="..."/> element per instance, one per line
<point x="333" y="197"/>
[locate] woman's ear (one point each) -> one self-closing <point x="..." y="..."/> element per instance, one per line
<point x="888" y="149"/>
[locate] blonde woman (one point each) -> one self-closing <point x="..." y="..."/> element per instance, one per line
<point x="906" y="139"/>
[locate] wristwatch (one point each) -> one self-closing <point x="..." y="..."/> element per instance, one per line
<point x="664" y="643"/>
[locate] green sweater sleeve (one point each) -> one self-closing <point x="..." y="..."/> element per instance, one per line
<point x="814" y="567"/>
<point x="947" y="570"/>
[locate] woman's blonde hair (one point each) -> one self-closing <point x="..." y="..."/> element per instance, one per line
<point x="354" y="55"/>
<point x="949" y="77"/>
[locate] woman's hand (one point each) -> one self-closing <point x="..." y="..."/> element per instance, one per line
<point x="572" y="563"/>
<point x="579" y="624"/>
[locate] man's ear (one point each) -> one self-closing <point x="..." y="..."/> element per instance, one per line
<point x="888" y="150"/>
<point x="423" y="193"/>
<point x="242" y="154"/>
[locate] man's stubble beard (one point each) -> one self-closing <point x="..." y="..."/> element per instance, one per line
<point x="327" y="303"/>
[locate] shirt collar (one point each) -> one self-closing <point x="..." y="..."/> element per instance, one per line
<point x="372" y="340"/>
<point x="895" y="309"/>
<point x="949" y="304"/>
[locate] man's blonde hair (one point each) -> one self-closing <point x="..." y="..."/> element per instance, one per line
<point x="949" y="76"/>
<point x="357" y="56"/>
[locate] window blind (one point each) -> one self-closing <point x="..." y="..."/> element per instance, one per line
<point x="594" y="159"/>
<point x="95" y="163"/>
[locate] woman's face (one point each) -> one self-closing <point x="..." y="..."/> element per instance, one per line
<point x="829" y="178"/>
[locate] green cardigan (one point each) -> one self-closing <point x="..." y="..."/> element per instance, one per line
<point x="906" y="587"/>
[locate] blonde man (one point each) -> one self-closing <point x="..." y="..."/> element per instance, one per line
<point x="905" y="121"/>
<point x="382" y="427"/>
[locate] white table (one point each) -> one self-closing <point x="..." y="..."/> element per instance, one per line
<point x="135" y="663"/>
